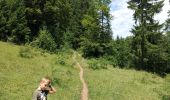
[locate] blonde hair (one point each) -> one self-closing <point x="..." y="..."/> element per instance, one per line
<point x="44" y="79"/>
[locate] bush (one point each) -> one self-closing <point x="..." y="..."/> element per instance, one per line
<point x="45" y="41"/>
<point x="26" y="52"/>
<point x="95" y="49"/>
<point x="61" y="61"/>
<point x="111" y="60"/>
<point x="97" y="64"/>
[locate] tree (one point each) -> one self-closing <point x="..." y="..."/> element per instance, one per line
<point x="147" y="34"/>
<point x="167" y="24"/>
<point x="57" y="17"/>
<point x="97" y="33"/>
<point x="122" y="54"/>
<point x="80" y="8"/>
<point x="34" y="16"/>
<point x="4" y="17"/>
<point x="104" y="19"/>
<point x="19" y="30"/>
<point x="74" y="22"/>
<point x="13" y="23"/>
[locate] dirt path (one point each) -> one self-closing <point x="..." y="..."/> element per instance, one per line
<point x="84" y="92"/>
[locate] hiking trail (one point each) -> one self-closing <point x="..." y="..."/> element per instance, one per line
<point x="84" y="91"/>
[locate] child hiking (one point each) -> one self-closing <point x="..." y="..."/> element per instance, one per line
<point x="44" y="89"/>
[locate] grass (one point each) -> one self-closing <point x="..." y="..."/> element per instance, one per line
<point x="22" y="67"/>
<point x="118" y="84"/>
<point x="123" y="84"/>
<point x="20" y="76"/>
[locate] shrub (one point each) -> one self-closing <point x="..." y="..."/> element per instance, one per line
<point x="97" y="64"/>
<point x="61" y="61"/>
<point x="45" y="41"/>
<point x="26" y="52"/>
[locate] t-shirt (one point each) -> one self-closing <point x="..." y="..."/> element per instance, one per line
<point x="40" y="95"/>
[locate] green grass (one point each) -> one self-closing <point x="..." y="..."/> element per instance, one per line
<point x="122" y="84"/>
<point x="118" y="84"/>
<point x="19" y="77"/>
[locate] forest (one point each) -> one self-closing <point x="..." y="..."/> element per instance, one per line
<point x="84" y="25"/>
<point x="73" y="43"/>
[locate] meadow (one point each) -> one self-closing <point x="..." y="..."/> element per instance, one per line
<point x="20" y="75"/>
<point x="22" y="67"/>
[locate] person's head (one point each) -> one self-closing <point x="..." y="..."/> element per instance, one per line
<point x="45" y="82"/>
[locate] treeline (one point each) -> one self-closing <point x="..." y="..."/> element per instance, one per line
<point x="85" y="25"/>
<point x="53" y="24"/>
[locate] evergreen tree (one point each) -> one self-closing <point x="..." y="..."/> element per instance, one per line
<point x="57" y="17"/>
<point x="76" y="29"/>
<point x="147" y="34"/>
<point x="104" y="18"/>
<point x="13" y="24"/>
<point x="34" y="16"/>
<point x="167" y="24"/>
<point x="4" y="16"/>
<point x="19" y="30"/>
<point x="122" y="55"/>
<point x="80" y="23"/>
<point x="97" y="33"/>
<point x="166" y="43"/>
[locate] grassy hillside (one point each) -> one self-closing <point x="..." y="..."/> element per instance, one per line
<point x="19" y="76"/>
<point x="22" y="67"/>
<point x="122" y="84"/>
<point x="118" y="84"/>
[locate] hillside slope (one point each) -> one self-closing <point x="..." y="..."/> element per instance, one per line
<point x="123" y="84"/>
<point x="22" y="67"/>
<point x="20" y="76"/>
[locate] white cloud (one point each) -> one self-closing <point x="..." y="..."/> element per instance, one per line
<point x="163" y="15"/>
<point x="122" y="18"/>
<point x="122" y="21"/>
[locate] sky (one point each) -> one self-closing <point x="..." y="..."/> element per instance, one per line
<point x="122" y="20"/>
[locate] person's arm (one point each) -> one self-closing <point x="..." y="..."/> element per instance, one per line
<point x="51" y="89"/>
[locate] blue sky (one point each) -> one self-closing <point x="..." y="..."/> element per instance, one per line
<point x="122" y="20"/>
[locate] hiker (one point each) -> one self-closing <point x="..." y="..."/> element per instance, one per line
<point x="44" y="88"/>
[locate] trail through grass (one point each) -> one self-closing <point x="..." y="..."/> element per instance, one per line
<point x="84" y="92"/>
<point x="123" y="84"/>
<point x="20" y="76"/>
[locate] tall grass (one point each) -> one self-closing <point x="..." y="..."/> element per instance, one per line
<point x="20" y="74"/>
<point x="123" y="84"/>
<point x="22" y="67"/>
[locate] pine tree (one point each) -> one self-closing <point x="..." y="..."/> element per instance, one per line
<point x="4" y="17"/>
<point x="167" y="24"/>
<point x="13" y="25"/>
<point x="97" y="33"/>
<point x="56" y="19"/>
<point x="147" y="34"/>
<point x="18" y="23"/>
<point x="166" y="42"/>
<point x="104" y="15"/>
<point x="80" y="8"/>
<point x="34" y="13"/>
